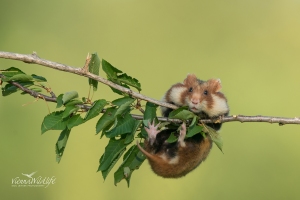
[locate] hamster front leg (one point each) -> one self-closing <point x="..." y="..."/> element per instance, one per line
<point x="152" y="132"/>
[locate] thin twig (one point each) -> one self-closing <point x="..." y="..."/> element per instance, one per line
<point x="31" y="92"/>
<point x="40" y="95"/>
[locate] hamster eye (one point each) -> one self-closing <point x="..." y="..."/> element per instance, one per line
<point x="191" y="89"/>
<point x="205" y="92"/>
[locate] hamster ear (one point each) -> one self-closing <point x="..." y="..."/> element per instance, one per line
<point x="215" y="84"/>
<point x="190" y="79"/>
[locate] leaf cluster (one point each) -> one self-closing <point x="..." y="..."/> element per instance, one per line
<point x="13" y="74"/>
<point x="194" y="127"/>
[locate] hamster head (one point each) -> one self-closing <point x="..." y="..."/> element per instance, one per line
<point x="192" y="94"/>
<point x="206" y="97"/>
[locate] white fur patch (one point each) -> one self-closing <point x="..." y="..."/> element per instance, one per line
<point x="163" y="109"/>
<point x="163" y="156"/>
<point x="219" y="107"/>
<point x="175" y="95"/>
<point x="174" y="160"/>
<point x="171" y="161"/>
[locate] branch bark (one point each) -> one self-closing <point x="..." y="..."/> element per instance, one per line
<point x="34" y="59"/>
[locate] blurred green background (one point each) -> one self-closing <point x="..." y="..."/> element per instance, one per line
<point x="252" y="46"/>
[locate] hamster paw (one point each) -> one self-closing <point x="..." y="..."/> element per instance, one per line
<point x="152" y="131"/>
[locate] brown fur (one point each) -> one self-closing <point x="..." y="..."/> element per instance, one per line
<point x="191" y="82"/>
<point x="189" y="157"/>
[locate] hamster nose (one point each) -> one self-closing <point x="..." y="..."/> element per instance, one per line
<point x="195" y="101"/>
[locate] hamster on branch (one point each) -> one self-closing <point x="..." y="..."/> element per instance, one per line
<point x="174" y="160"/>
<point x="202" y="97"/>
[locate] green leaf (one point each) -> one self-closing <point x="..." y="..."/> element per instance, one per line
<point x="73" y="102"/>
<point x="172" y="138"/>
<point x="54" y="121"/>
<point x="215" y="136"/>
<point x="11" y="72"/>
<point x="124" y="78"/>
<point x="112" y="151"/>
<point x="61" y="144"/>
<point x="38" y="78"/>
<point x="146" y="122"/>
<point x="69" y="110"/>
<point x="19" y="77"/>
<point x="94" y="66"/>
<point x="107" y="128"/>
<point x="166" y="124"/>
<point x="123" y="105"/>
<point x="194" y="121"/>
<point x="193" y="130"/>
<point x="111" y="113"/>
<point x="119" y="83"/>
<point x="132" y="160"/>
<point x="110" y="71"/>
<point x="124" y="125"/>
<point x="106" y="172"/>
<point x="113" y="125"/>
<point x="181" y="113"/>
<point x="75" y="120"/>
<point x="96" y="109"/>
<point x="150" y="112"/>
<point x="59" y="101"/>
<point x="68" y="96"/>
<point x="149" y="116"/>
<point x="124" y="101"/>
<point x="109" y="117"/>
<point x="106" y="119"/>
<point x="143" y="133"/>
<point x="9" y="89"/>
<point x="130" y="136"/>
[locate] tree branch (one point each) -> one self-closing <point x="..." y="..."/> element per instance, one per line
<point x="34" y="59"/>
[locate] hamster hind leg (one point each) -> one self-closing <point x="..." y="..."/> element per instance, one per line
<point x="182" y="135"/>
